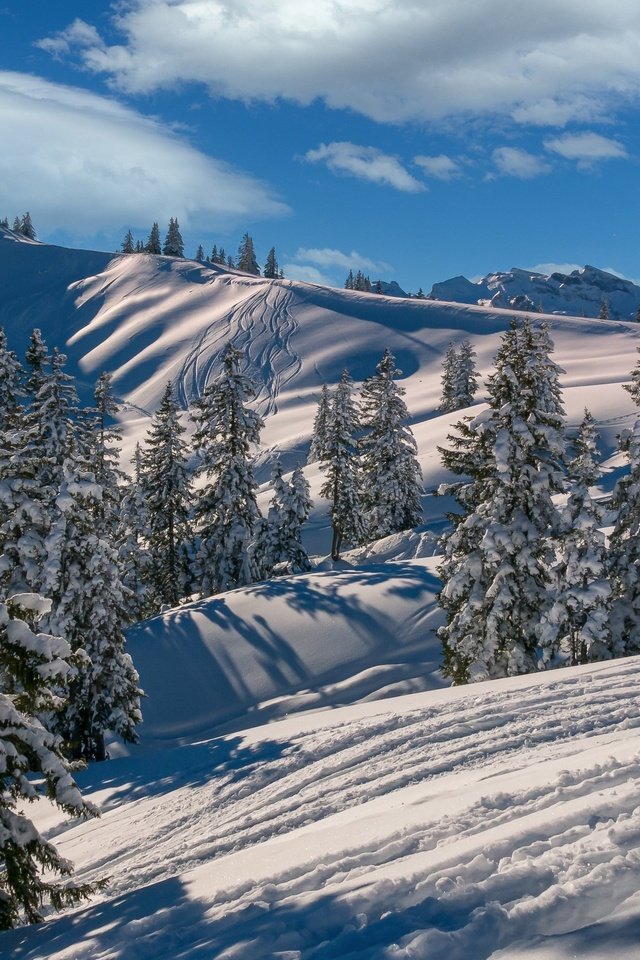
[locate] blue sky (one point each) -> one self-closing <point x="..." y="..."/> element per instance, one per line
<point x="413" y="139"/>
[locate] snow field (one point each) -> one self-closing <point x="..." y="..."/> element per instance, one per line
<point x="449" y="824"/>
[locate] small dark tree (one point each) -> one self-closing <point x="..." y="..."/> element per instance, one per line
<point x="153" y="243"/>
<point x="26" y="226"/>
<point x="247" y="256"/>
<point x="173" y="245"/>
<point x="271" y="270"/>
<point x="127" y="243"/>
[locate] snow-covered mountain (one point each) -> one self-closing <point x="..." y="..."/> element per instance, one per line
<point x="580" y="293"/>
<point x="305" y="787"/>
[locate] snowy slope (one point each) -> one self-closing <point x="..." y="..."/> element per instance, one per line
<point x="579" y="293"/>
<point x="264" y="651"/>
<point x="148" y="319"/>
<point x="495" y="822"/>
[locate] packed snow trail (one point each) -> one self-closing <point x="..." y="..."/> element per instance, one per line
<point x="454" y="824"/>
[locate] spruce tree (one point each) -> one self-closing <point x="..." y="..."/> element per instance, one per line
<point x="31" y="764"/>
<point x="391" y="478"/>
<point x="575" y="628"/>
<point x="318" y="448"/>
<point x="153" y="242"/>
<point x="226" y="510"/>
<point x="624" y="547"/>
<point x="349" y="282"/>
<point x="459" y="378"/>
<point x="271" y="269"/>
<point x="82" y="578"/>
<point x="200" y="252"/>
<point x="214" y="254"/>
<point x="340" y="462"/>
<point x="11" y="389"/>
<point x="103" y="446"/>
<point x="634" y="387"/>
<point x="247" y="257"/>
<point x="296" y="511"/>
<point x="133" y="552"/>
<point x="17" y="225"/>
<point x="448" y="401"/>
<point x="166" y="483"/>
<point x="495" y="567"/>
<point x="127" y="243"/>
<point x="26" y="226"/>
<point x="173" y="245"/>
<point x="604" y="310"/>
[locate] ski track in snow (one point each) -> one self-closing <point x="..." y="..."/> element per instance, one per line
<point x="446" y="831"/>
<point x="262" y="326"/>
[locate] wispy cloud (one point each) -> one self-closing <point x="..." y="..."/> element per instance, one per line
<point x="78" y="35"/>
<point x="86" y="159"/>
<point x="307" y="273"/>
<point x="327" y="257"/>
<point x="542" y="62"/>
<point x="586" y="148"/>
<point x="366" y="163"/>
<point x="512" y="162"/>
<point x="441" y="167"/>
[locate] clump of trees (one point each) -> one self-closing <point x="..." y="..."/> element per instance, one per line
<point x="528" y="579"/>
<point x="21" y="225"/>
<point x="373" y="480"/>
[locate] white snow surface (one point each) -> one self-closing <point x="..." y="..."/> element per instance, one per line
<point x="500" y="820"/>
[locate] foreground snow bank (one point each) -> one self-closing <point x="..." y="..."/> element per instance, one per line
<point x="318" y="640"/>
<point x="497" y="821"/>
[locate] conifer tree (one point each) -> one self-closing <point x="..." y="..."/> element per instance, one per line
<point x="318" y="448"/>
<point x="214" y="254"/>
<point x="226" y="510"/>
<point x="102" y="442"/>
<point x="420" y="295"/>
<point x="449" y="376"/>
<point x="297" y="508"/>
<point x="166" y="483"/>
<point x="391" y="478"/>
<point x="349" y="282"/>
<point x="604" y="310"/>
<point x="153" y="242"/>
<point x="127" y="243"/>
<point x="340" y="463"/>
<point x="4" y="223"/>
<point x="496" y="560"/>
<point x="230" y="262"/>
<point x="173" y="245"/>
<point x="133" y="553"/>
<point x="17" y="225"/>
<point x="247" y="257"/>
<point x="459" y="378"/>
<point x="222" y="257"/>
<point x="26" y="226"/>
<point x="31" y="764"/>
<point x="575" y="629"/>
<point x="140" y="248"/>
<point x="82" y="578"/>
<point x="200" y="252"/>
<point x="634" y="387"/>
<point x="271" y="270"/>
<point x="11" y="389"/>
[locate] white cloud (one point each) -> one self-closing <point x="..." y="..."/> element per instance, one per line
<point x="511" y="162"/>
<point x="390" y="61"/>
<point x="440" y="167"/>
<point x="79" y="160"/>
<point x="327" y="257"/>
<point x="366" y="163"/>
<point x="77" y="34"/>
<point x="306" y="273"/>
<point x="587" y="148"/>
<point x="549" y="268"/>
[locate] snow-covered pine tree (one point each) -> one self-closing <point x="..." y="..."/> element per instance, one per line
<point x="634" y="387"/>
<point x="127" y="243"/>
<point x="166" y="484"/>
<point x="575" y="628"/>
<point x="247" y="256"/>
<point x="495" y="567"/>
<point x="449" y="376"/>
<point x="624" y="545"/>
<point x="269" y="546"/>
<point x="226" y="510"/>
<point x="82" y="578"/>
<point x="153" y="242"/>
<point x="17" y="225"/>
<point x="133" y="553"/>
<point x="459" y="377"/>
<point x="340" y="462"/>
<point x="33" y="475"/>
<point x="200" y="252"/>
<point x="297" y="508"/>
<point x="318" y="447"/>
<point x="271" y="270"/>
<point x="27" y="228"/>
<point x="173" y="245"/>
<point x="103" y="443"/>
<point x="31" y="764"/>
<point x="11" y="390"/>
<point x="391" y="478"/>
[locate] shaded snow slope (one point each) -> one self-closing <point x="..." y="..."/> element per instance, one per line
<point x="491" y="822"/>
<point x="259" y="652"/>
